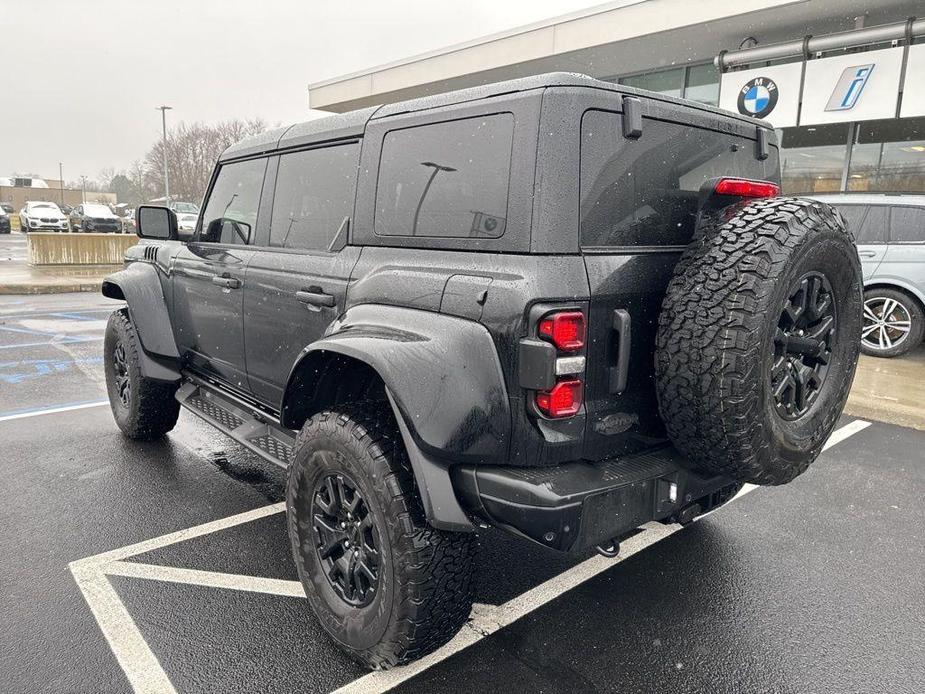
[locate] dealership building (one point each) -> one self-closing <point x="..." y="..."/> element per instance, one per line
<point x="843" y="81"/>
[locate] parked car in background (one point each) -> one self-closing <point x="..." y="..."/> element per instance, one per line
<point x="7" y="207"/>
<point x="42" y="216"/>
<point x="96" y="218"/>
<point x="128" y="220"/>
<point x="66" y="209"/>
<point x="187" y="214"/>
<point x="890" y="233"/>
<point x="4" y="222"/>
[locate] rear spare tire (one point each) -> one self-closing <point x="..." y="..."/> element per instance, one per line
<point x="758" y="340"/>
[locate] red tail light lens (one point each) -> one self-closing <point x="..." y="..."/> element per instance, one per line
<point x="566" y="330"/>
<point x="563" y="400"/>
<point x="744" y="188"/>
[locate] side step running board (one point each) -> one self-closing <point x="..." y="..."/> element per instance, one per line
<point x="252" y="429"/>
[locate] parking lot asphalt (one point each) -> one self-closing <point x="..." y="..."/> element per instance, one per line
<point x="816" y="586"/>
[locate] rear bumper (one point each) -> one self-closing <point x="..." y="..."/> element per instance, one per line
<point x="578" y="505"/>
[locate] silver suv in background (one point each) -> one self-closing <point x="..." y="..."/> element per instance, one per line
<point x="890" y="233"/>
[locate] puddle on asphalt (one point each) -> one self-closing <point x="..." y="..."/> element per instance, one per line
<point x="272" y="487"/>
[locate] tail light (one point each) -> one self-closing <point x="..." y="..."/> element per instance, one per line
<point x="563" y="400"/>
<point x="743" y="188"/>
<point x="566" y="330"/>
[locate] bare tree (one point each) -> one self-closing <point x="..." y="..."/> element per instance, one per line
<point x="192" y="149"/>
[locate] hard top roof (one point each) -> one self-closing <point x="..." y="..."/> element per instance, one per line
<point x="353" y="123"/>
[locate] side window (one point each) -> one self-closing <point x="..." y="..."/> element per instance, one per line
<point x="314" y="192"/>
<point x="645" y="192"/>
<point x="876" y="226"/>
<point x="907" y="225"/>
<point x="230" y="215"/>
<point x="854" y="216"/>
<point x="446" y="179"/>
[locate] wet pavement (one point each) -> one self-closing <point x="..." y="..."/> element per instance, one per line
<point x="816" y="586"/>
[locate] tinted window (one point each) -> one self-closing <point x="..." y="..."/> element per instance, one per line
<point x="446" y="179"/>
<point x="314" y="193"/>
<point x="854" y="215"/>
<point x="645" y="192"/>
<point x="907" y="225"/>
<point x="231" y="213"/>
<point x="875" y="227"/>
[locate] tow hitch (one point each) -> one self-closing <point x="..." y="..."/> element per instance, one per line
<point x="609" y="549"/>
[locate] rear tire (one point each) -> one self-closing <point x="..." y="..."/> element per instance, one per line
<point x="758" y="340"/>
<point x="144" y="409"/>
<point x="387" y="587"/>
<point x="893" y="323"/>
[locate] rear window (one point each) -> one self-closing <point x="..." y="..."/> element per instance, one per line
<point x="907" y="225"/>
<point x="446" y="179"/>
<point x="645" y="192"/>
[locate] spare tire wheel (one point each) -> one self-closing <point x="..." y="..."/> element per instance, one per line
<point x="758" y="340"/>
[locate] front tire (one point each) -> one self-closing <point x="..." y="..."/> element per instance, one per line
<point x="144" y="409"/>
<point x="386" y="586"/>
<point x="893" y="323"/>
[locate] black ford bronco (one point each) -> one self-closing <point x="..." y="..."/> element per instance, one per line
<point x="553" y="305"/>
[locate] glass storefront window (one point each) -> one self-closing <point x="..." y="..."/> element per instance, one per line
<point x="889" y="156"/>
<point x="702" y="84"/>
<point x="812" y="158"/>
<point x="670" y="82"/>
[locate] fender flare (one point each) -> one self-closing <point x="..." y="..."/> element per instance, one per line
<point x="139" y="285"/>
<point x="444" y="381"/>
<point x="895" y="282"/>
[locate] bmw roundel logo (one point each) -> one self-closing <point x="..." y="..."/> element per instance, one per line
<point x="758" y="97"/>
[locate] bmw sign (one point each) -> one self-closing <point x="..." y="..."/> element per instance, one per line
<point x="758" y="97"/>
<point x="771" y="92"/>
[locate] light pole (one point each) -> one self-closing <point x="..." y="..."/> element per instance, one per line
<point x="163" y="110"/>
<point x="61" y="181"/>
<point x="83" y="186"/>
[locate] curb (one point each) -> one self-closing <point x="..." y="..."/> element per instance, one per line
<point x="54" y="288"/>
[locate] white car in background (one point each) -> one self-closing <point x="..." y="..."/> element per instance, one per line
<point x="42" y="216"/>
<point x="187" y="214"/>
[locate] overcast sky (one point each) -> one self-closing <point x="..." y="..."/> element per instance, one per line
<point x="81" y="78"/>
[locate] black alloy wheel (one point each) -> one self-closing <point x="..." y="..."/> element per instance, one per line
<point x="803" y="345"/>
<point x="346" y="539"/>
<point x="123" y="381"/>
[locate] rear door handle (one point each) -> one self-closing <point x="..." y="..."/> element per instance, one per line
<point x="315" y="296"/>
<point x="867" y="254"/>
<point x="227" y="281"/>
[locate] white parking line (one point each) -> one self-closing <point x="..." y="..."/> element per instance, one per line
<point x="52" y="410"/>
<point x="208" y="579"/>
<point x="146" y="674"/>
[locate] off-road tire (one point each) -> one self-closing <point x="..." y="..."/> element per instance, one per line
<point x="910" y="306"/>
<point x="425" y="588"/>
<point x="152" y="409"/>
<point x="716" y="339"/>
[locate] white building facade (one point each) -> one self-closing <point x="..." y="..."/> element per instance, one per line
<point x="842" y="80"/>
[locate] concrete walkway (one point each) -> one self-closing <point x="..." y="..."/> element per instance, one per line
<point x="17" y="277"/>
<point x="23" y="279"/>
<point x="891" y="390"/>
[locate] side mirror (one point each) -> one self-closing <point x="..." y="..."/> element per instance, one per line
<point x="153" y="222"/>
